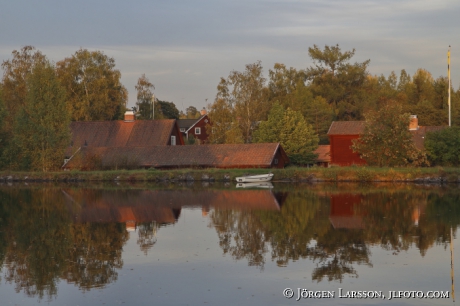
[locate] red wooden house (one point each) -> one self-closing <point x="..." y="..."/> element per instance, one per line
<point x="195" y="128"/>
<point x="341" y="135"/>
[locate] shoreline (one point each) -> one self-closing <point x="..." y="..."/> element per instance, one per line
<point x="436" y="175"/>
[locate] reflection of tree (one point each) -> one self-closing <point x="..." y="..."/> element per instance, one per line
<point x="336" y="251"/>
<point x="240" y="235"/>
<point x="393" y="219"/>
<point x="147" y="235"/>
<point x="38" y="239"/>
<point x="96" y="254"/>
<point x="41" y="244"/>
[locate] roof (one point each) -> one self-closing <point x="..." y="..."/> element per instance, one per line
<point x="419" y="135"/>
<point x="346" y="128"/>
<point x="121" y="134"/>
<point x="186" y="123"/>
<point x="324" y="153"/>
<point x="213" y="156"/>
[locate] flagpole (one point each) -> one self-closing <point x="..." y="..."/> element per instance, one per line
<point x="448" y="79"/>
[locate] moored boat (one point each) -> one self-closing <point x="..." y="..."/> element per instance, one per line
<point x="255" y="178"/>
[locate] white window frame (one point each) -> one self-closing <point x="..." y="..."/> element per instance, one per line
<point x="182" y="130"/>
<point x="173" y="140"/>
<point x="197" y="131"/>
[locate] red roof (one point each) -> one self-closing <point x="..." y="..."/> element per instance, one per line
<point x="213" y="156"/>
<point x="324" y="153"/>
<point x="122" y="134"/>
<point x="346" y="128"/>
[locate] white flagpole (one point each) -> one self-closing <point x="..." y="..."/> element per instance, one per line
<point x="448" y="79"/>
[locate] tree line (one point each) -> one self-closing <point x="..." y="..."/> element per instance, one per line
<point x="295" y="107"/>
<point x="38" y="99"/>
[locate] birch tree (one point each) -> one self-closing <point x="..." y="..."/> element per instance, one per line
<point x="93" y="87"/>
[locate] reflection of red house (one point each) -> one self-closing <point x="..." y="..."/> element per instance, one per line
<point x="344" y="211"/>
<point x="162" y="206"/>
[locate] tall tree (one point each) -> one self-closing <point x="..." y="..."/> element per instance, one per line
<point x="42" y="127"/>
<point x="289" y="128"/>
<point x="224" y="129"/>
<point x="246" y="95"/>
<point x="144" y="98"/>
<point x="387" y="140"/>
<point x="14" y="79"/>
<point x="338" y="81"/>
<point x="93" y="86"/>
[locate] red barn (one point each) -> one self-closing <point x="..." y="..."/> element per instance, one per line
<point x="341" y="134"/>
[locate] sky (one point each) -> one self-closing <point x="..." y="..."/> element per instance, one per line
<point x="184" y="47"/>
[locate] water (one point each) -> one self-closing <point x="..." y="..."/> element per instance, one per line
<point x="221" y="245"/>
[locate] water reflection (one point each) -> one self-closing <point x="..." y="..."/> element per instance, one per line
<point x="48" y="234"/>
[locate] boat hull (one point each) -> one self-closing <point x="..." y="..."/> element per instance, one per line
<point x="255" y="178"/>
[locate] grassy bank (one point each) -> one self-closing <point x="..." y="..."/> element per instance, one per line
<point x="289" y="174"/>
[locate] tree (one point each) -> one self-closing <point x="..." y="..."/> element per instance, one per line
<point x="168" y="110"/>
<point x="245" y="96"/>
<point x="192" y="113"/>
<point x="387" y="140"/>
<point x="443" y="147"/>
<point x="283" y="81"/>
<point x="270" y="130"/>
<point x="336" y="80"/>
<point x="144" y="98"/>
<point x="225" y="129"/>
<point x="93" y="86"/>
<point x="15" y="74"/>
<point x="41" y="130"/>
<point x="298" y="138"/>
<point x="289" y="128"/>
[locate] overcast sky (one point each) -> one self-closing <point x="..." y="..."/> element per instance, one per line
<point x="185" y="46"/>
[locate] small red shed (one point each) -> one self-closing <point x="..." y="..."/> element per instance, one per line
<point x="341" y="135"/>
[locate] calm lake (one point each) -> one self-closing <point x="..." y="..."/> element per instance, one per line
<point x="340" y="244"/>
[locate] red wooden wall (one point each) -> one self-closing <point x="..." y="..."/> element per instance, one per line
<point x="341" y="152"/>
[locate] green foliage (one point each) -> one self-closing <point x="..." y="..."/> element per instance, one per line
<point x="14" y="88"/>
<point x="240" y="103"/>
<point x="270" y="130"/>
<point x="289" y="128"/>
<point x="144" y="98"/>
<point x="443" y="147"/>
<point x="93" y="86"/>
<point x="41" y="130"/>
<point x="387" y="140"/>
<point x="336" y="80"/>
<point x="168" y="110"/>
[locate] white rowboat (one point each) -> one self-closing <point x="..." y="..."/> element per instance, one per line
<point x="255" y="178"/>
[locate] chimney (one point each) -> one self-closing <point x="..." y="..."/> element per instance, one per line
<point x="129" y="116"/>
<point x="203" y="112"/>
<point x="413" y="125"/>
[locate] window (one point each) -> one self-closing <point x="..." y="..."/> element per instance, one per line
<point x="276" y="161"/>
<point x="197" y="131"/>
<point x="182" y="130"/>
<point x="173" y="140"/>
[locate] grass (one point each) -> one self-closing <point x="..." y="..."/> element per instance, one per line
<point x="289" y="174"/>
